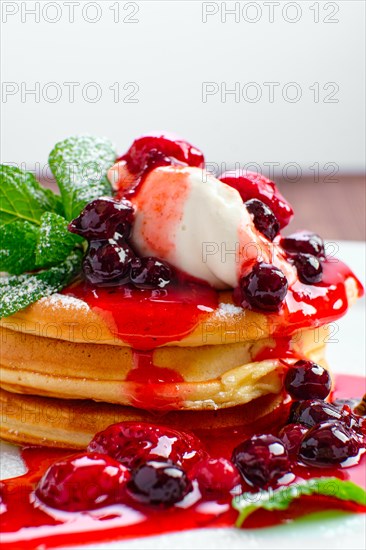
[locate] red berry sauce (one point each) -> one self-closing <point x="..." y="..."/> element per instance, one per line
<point x="150" y="318"/>
<point x="153" y="387"/>
<point x="28" y="524"/>
<point x="153" y="317"/>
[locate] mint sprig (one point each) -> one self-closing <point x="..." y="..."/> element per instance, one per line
<point x="80" y="166"/>
<point x="54" y="241"/>
<point x="280" y="499"/>
<point x="17" y="247"/>
<point x="27" y="247"/>
<point x="22" y="198"/>
<point x="34" y="220"/>
<point x="18" y="292"/>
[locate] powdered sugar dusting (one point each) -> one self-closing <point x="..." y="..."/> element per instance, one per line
<point x="61" y="301"/>
<point x="80" y="165"/>
<point x="228" y="310"/>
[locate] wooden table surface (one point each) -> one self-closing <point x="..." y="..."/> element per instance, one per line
<point x="336" y="210"/>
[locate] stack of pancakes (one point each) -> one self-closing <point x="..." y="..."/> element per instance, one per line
<point x="65" y="376"/>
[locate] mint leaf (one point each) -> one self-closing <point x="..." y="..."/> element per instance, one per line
<point x="280" y="499"/>
<point x="23" y="198"/>
<point x="26" y="247"/>
<point x="55" y="202"/>
<point x="54" y="241"/>
<point x="17" y="247"/>
<point x="79" y="165"/>
<point x="18" y="292"/>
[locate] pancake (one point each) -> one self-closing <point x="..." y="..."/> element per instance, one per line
<point x="67" y="318"/>
<point x="33" y="420"/>
<point x="192" y="378"/>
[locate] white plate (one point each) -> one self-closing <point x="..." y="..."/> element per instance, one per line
<point x="345" y="354"/>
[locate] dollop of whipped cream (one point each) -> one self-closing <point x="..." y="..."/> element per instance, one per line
<point x="200" y="225"/>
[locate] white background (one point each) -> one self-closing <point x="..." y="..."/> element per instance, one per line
<point x="169" y="52"/>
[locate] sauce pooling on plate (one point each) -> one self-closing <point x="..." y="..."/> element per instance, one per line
<point x="28" y="523"/>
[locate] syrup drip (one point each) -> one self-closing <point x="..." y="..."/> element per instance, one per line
<point x="28" y="525"/>
<point x="156" y="386"/>
<point x="314" y="305"/>
<point x="282" y="348"/>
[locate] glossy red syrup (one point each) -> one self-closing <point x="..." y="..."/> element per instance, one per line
<point x="305" y="305"/>
<point x="313" y="305"/>
<point x="146" y="319"/>
<point x="156" y="386"/>
<point x="26" y="525"/>
<point x="282" y="347"/>
<point x="145" y="371"/>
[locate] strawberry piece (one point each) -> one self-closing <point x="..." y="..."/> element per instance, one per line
<point x="216" y="477"/>
<point x="83" y="482"/>
<point x="132" y="443"/>
<point x="253" y="185"/>
<point x="160" y="149"/>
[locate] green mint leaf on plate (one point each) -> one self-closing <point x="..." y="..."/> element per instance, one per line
<point x="54" y="241"/>
<point x="280" y="499"/>
<point x="22" y="198"/>
<point x="80" y="166"/>
<point x="18" y="292"/>
<point x="17" y="247"/>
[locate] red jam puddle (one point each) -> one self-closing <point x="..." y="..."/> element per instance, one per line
<point x="28" y="524"/>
